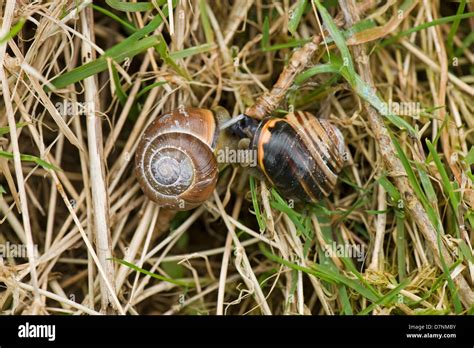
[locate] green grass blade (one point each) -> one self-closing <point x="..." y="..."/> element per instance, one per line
<point x="426" y="183"/>
<point x="280" y="204"/>
<point x="30" y="158"/>
<point x="454" y="27"/>
<point x="340" y="41"/>
<point x="452" y="288"/>
<point x="131" y="46"/>
<point x="351" y="268"/>
<point x="364" y="91"/>
<point x="384" y="300"/>
<point x="265" y="34"/>
<point x="13" y="31"/>
<point x="432" y="215"/>
<point x="447" y="185"/>
<point x="150" y="87"/>
<point x="206" y="24"/>
<point x="317" y="69"/>
<point x="126" y="24"/>
<point x="345" y="302"/>
<point x="367" y="93"/>
<point x="191" y="51"/>
<point x="125" y="6"/>
<point x="6" y="130"/>
<point x="469" y="159"/>
<point x="466" y="42"/>
<point x="323" y="273"/>
<point x="295" y="16"/>
<point x="256" y="206"/>
<point x="162" y="49"/>
<point x="100" y="64"/>
<point x="121" y="95"/>
<point x="289" y="44"/>
<point x="400" y="220"/>
<point x="153" y="275"/>
<point x="434" y="218"/>
<point x="390" y="188"/>
<point x="442" y="20"/>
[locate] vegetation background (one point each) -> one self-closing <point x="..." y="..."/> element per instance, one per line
<point x="80" y="81"/>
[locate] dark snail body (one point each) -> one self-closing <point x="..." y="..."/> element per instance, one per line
<point x="300" y="155"/>
<point x="175" y="162"/>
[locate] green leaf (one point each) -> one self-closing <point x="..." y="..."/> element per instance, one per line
<point x="345" y="302"/>
<point x="389" y="297"/>
<point x="340" y="41"/>
<point x="447" y="185"/>
<point x="121" y="95"/>
<point x="191" y="51"/>
<point x="162" y="49"/>
<point x="295" y="16"/>
<point x="466" y="251"/>
<point x="125" y="6"/>
<point x="256" y="206"/>
<point x="289" y="44"/>
<point x="100" y="64"/>
<point x="149" y="87"/>
<point x="432" y="214"/>
<point x="317" y="69"/>
<point x="206" y="25"/>
<point x="401" y="247"/>
<point x="390" y="188"/>
<point x="425" y="25"/>
<point x="153" y="275"/>
<point x="454" y="27"/>
<point x="367" y="93"/>
<point x="6" y="130"/>
<point x="13" y="31"/>
<point x="173" y="269"/>
<point x="426" y="183"/>
<point x="126" y="24"/>
<point x="280" y="204"/>
<point x="30" y="158"/>
<point x="469" y="159"/>
<point x="323" y="273"/>
<point x="265" y="33"/>
<point x="128" y="48"/>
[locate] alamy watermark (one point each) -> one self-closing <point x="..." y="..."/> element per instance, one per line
<point x="72" y="108"/>
<point x="244" y="157"/>
<point x="345" y="250"/>
<point x="413" y="109"/>
<point x="10" y="250"/>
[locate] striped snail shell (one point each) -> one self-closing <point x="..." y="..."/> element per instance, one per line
<point x="300" y="155"/>
<point x="174" y="163"/>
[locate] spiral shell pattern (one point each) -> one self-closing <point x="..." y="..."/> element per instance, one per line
<point x="175" y="164"/>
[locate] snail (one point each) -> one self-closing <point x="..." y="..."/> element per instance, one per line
<point x="175" y="163"/>
<point x="299" y="154"/>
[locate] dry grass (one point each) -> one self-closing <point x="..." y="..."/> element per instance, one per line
<point x="89" y="238"/>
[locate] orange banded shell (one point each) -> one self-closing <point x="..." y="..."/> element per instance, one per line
<point x="300" y="155"/>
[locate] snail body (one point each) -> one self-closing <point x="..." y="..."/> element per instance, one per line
<point x="299" y="154"/>
<point x="175" y="163"/>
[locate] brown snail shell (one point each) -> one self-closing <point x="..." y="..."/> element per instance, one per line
<point x="175" y="163"/>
